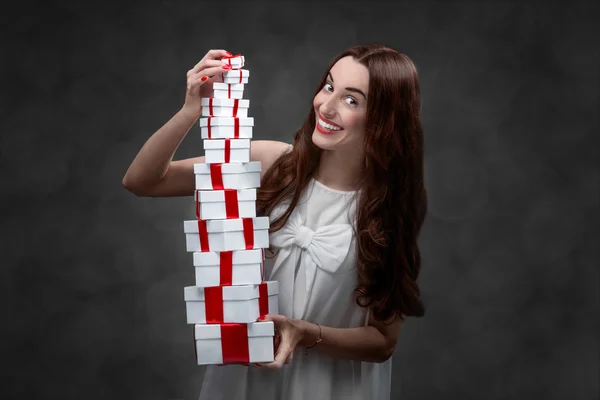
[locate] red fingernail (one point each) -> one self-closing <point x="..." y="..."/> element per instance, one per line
<point x="226" y="67"/>
<point x="204" y="78"/>
<point x="228" y="53"/>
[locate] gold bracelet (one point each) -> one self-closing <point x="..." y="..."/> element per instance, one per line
<point x="319" y="340"/>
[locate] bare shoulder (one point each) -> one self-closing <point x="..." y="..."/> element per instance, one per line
<point x="267" y="152"/>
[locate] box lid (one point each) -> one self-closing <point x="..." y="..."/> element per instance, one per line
<point x="213" y="331"/>
<point x="225" y="225"/>
<point x="211" y="196"/>
<point x="236" y="73"/>
<point x="212" y="144"/>
<point x="235" y="87"/>
<point x="226" y="121"/>
<point x="237" y="59"/>
<point x="211" y="258"/>
<point x="242" y="103"/>
<point x="238" y="292"/>
<point x="229" y="168"/>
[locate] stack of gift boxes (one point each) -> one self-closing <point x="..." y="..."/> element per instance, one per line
<point x="227" y="239"/>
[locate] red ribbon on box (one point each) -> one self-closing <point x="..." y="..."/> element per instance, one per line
<point x="228" y="58"/>
<point x="263" y="299"/>
<point x="216" y="176"/>
<point x="223" y="76"/>
<point x="226" y="268"/>
<point x="236" y="103"/>
<point x="196" y="198"/>
<point x="231" y="204"/>
<point x="203" y="235"/>
<point x="226" y="274"/>
<point x="248" y="233"/>
<point x="227" y="154"/>
<point x="236" y="128"/>
<point x="213" y="302"/>
<point x="248" y="226"/>
<point x="234" y="343"/>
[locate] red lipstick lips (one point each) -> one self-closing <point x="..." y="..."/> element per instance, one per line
<point x="330" y="122"/>
<point x="326" y="131"/>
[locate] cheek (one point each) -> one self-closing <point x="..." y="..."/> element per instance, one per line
<point x="317" y="101"/>
<point x="357" y="122"/>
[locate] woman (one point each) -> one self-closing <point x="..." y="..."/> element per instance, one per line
<point x="346" y="204"/>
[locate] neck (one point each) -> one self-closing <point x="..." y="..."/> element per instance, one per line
<point x="339" y="170"/>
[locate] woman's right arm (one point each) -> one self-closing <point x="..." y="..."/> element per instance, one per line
<point x="177" y="177"/>
<point x="153" y="173"/>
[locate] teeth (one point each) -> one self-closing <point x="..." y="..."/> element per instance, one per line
<point x="328" y="126"/>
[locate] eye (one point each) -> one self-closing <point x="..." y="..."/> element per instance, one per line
<point x="328" y="87"/>
<point x="352" y="101"/>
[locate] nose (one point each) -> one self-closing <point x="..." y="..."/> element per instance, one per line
<point x="327" y="108"/>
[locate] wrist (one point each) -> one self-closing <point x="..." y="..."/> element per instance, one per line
<point x="309" y="333"/>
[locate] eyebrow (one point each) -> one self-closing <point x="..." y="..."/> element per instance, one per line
<point x="350" y="89"/>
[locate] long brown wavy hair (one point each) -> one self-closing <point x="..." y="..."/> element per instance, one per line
<point x="393" y="200"/>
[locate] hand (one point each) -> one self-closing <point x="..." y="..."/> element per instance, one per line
<point x="287" y="336"/>
<point x="200" y="81"/>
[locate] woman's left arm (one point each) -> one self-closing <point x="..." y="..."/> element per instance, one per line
<point x="375" y="342"/>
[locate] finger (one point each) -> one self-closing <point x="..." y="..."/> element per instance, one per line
<point x="213" y="71"/>
<point x="216" y="53"/>
<point x="280" y="358"/>
<point x="194" y="84"/>
<point x="205" y="64"/>
<point x="273" y="317"/>
<point x="213" y="54"/>
<point x="204" y="76"/>
<point x="289" y="358"/>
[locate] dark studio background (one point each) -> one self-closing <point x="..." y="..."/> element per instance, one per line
<point x="93" y="276"/>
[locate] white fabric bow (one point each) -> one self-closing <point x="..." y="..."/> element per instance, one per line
<point x="325" y="249"/>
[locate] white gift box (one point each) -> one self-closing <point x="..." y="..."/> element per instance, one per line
<point x="234" y="343"/>
<point x="227" y="176"/>
<point x="236" y="61"/>
<point x="224" y="204"/>
<point x="226" y="127"/>
<point x="227" y="234"/>
<point x="230" y="304"/>
<point x="226" y="150"/>
<point x="235" y="76"/>
<point x="228" y="90"/>
<point x="225" y="107"/>
<point x="241" y="267"/>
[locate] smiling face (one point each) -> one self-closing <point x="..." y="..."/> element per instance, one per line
<point x="341" y="106"/>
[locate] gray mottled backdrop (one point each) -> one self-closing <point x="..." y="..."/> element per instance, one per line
<point x="93" y="277"/>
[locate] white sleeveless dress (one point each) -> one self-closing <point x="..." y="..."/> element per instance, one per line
<point x="315" y="268"/>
